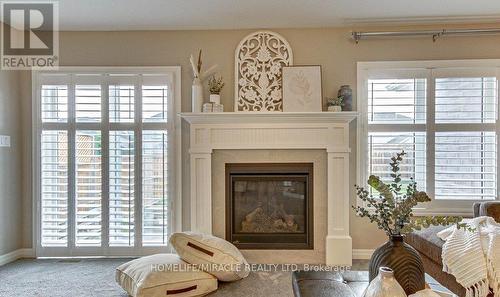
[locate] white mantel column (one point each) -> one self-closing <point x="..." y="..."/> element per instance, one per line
<point x="201" y="193"/>
<point x="338" y="240"/>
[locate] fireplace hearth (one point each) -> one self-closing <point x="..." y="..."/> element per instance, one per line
<point x="269" y="205"/>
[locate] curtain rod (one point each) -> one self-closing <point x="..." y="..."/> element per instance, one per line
<point x="357" y="36"/>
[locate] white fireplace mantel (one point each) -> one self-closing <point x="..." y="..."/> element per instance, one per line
<point x="275" y="130"/>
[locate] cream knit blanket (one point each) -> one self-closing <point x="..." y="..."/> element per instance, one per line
<point x="473" y="257"/>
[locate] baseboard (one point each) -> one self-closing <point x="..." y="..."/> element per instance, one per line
<point x="362" y="254"/>
<point x="358" y="254"/>
<point x="15" y="255"/>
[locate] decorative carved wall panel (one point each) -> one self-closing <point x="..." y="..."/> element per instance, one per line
<point x="258" y="61"/>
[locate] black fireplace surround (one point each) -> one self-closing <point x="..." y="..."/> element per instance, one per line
<point x="269" y="205"/>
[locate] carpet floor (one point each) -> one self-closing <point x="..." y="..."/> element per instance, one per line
<point x="96" y="278"/>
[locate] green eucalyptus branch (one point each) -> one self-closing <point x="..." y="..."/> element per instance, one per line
<point x="392" y="210"/>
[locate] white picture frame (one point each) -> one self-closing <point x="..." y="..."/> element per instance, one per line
<point x="302" y="89"/>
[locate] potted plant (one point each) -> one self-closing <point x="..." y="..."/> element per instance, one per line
<point x="335" y="104"/>
<point x="215" y="85"/>
<point x="390" y="206"/>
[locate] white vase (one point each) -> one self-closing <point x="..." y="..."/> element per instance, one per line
<point x="215" y="98"/>
<point x="196" y="95"/>
<point x="334" y="108"/>
<point x="384" y="285"/>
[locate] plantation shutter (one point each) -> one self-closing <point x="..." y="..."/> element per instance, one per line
<point x="445" y="119"/>
<point x="155" y="160"/>
<point x="54" y="188"/>
<point x="396" y="112"/>
<point x="104" y="157"/>
<point x="465" y="140"/>
<point x="121" y="188"/>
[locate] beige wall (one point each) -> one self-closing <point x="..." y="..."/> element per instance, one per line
<point x="10" y="164"/>
<point x="27" y="168"/>
<point x="330" y="48"/>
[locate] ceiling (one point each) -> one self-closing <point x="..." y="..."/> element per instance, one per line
<point x="251" y="14"/>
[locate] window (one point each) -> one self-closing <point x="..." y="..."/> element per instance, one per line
<point x="154" y="187"/>
<point x="54" y="184"/>
<point x="121" y="188"/>
<point x="88" y="184"/>
<point x="444" y="115"/>
<point x="104" y="147"/>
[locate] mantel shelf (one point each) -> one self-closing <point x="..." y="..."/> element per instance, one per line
<point x="268" y="117"/>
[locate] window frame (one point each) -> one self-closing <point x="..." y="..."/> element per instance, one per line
<point x="173" y="126"/>
<point x="429" y="70"/>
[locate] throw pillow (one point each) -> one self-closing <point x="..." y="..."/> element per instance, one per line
<point x="214" y="255"/>
<point x="163" y="275"/>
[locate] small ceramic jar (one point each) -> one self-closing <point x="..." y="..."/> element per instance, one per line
<point x="335" y="108"/>
<point x="215" y="98"/>
<point x="218" y="107"/>
<point x="207" y="107"/>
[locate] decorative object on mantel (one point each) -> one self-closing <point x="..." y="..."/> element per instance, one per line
<point x="384" y="285"/>
<point x="302" y="88"/>
<point x="212" y="107"/>
<point x="345" y="92"/>
<point x="258" y="61"/>
<point x="208" y="107"/>
<point x="335" y="104"/>
<point x="215" y="85"/>
<point x="197" y="88"/>
<point x="218" y="107"/>
<point x="392" y="210"/>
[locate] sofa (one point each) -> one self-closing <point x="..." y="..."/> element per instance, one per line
<point x="329" y="284"/>
<point x="353" y="283"/>
<point x="429" y="246"/>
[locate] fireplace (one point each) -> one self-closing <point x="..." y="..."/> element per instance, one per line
<point x="265" y="133"/>
<point x="269" y="205"/>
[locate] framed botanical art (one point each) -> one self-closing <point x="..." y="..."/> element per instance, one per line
<point x="302" y="90"/>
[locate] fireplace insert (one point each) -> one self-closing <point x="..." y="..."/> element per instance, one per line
<point x="269" y="205"/>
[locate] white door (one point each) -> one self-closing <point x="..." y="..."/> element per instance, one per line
<point x="104" y="157"/>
